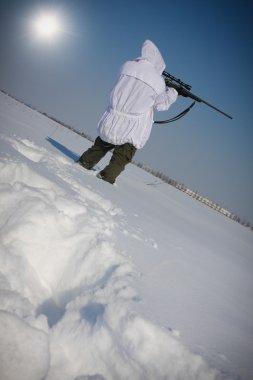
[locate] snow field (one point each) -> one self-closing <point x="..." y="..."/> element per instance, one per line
<point x="61" y="236"/>
<point x="74" y="268"/>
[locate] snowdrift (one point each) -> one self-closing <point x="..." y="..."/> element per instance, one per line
<point x="99" y="282"/>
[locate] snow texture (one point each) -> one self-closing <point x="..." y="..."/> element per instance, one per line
<point x="101" y="282"/>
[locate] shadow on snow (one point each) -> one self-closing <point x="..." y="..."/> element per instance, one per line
<point x="63" y="149"/>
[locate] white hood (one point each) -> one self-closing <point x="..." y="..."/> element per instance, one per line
<point x="151" y="53"/>
<point x="147" y="68"/>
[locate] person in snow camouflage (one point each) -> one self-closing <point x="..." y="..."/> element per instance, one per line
<point x="126" y="124"/>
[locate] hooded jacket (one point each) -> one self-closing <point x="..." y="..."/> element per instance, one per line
<point x="139" y="91"/>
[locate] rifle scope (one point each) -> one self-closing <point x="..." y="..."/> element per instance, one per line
<point x="179" y="81"/>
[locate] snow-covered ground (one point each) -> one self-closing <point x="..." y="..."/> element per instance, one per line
<point x="132" y="281"/>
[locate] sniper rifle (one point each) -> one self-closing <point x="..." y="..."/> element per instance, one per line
<point x="184" y="90"/>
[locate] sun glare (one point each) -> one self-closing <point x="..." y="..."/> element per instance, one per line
<point x="47" y="26"/>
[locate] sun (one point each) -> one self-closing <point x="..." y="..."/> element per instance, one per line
<point x="47" y="26"/>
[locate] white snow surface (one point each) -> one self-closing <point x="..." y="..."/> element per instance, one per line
<point x="99" y="282"/>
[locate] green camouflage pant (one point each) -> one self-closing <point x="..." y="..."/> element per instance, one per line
<point x="122" y="155"/>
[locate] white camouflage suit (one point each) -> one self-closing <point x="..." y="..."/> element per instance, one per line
<point x="139" y="91"/>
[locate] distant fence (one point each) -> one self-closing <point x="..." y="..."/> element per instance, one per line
<point x="194" y="194"/>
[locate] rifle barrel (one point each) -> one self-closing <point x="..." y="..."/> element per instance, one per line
<point x="188" y="94"/>
<point x="216" y="109"/>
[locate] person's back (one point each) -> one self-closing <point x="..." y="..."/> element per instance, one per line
<point x="132" y="96"/>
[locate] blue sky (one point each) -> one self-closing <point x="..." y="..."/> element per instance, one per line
<point x="206" y="43"/>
